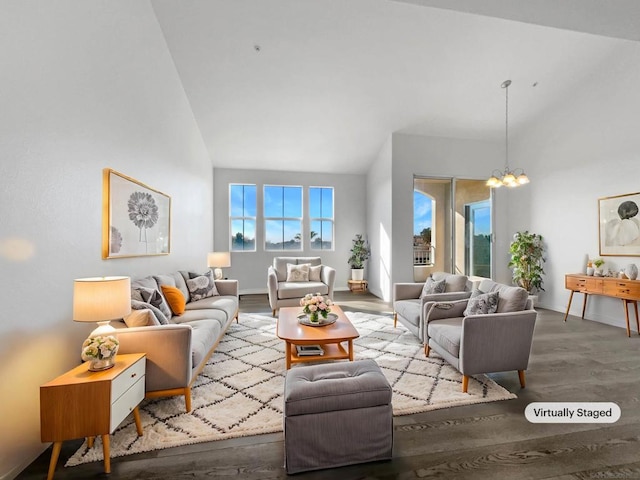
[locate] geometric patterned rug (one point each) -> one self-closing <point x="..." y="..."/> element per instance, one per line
<point x="239" y="392"/>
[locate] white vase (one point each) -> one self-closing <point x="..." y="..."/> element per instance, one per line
<point x="357" y="273"/>
<point x="631" y="271"/>
<point x="590" y="271"/>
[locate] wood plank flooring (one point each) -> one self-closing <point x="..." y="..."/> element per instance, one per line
<point x="576" y="361"/>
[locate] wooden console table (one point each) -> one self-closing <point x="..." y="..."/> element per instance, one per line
<point x="627" y="290"/>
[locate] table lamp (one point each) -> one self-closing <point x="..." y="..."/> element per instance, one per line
<point x="101" y="299"/>
<point x="218" y="260"/>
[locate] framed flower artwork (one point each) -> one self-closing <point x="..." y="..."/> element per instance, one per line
<point x="136" y="219"/>
<point x="619" y="225"/>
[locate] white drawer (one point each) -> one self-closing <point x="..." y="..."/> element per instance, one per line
<point x="124" y="405"/>
<point x="123" y="382"/>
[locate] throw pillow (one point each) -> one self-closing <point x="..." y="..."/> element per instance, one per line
<point x="314" y="273"/>
<point x="481" y="303"/>
<point x="175" y="299"/>
<point x="155" y="298"/>
<point x="297" y="273"/>
<point x="141" y="318"/>
<point x="160" y="317"/>
<point x="431" y="286"/>
<point x="201" y="286"/>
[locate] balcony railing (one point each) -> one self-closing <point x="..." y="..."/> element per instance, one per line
<point x="423" y="255"/>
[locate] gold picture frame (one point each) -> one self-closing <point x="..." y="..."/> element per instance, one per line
<point x="619" y="225"/>
<point x="136" y="219"/>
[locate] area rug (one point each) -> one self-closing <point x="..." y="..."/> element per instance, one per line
<point x="239" y="393"/>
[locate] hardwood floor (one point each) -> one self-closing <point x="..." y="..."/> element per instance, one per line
<point x="576" y="361"/>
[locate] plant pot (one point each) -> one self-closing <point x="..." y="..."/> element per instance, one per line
<point x="357" y="274"/>
<point x="590" y="271"/>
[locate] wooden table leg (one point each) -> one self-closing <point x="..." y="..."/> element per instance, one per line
<point x="351" y="350"/>
<point x="90" y="441"/>
<point x="635" y="307"/>
<point x="565" y="315"/>
<point x="626" y="315"/>
<point x="55" y="453"/>
<point x="288" y="354"/>
<point x="106" y="451"/>
<point x="584" y="304"/>
<point x="136" y="417"/>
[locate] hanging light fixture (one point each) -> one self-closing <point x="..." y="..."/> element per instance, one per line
<point x="508" y="177"/>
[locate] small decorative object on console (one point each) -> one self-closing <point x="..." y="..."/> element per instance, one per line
<point x="101" y="351"/>
<point x="315" y="306"/>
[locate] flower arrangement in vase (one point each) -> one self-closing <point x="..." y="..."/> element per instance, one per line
<point x="315" y="306"/>
<point x="101" y="351"/>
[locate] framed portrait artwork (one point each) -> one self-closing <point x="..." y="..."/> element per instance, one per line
<point x="136" y="219"/>
<point x="619" y="225"/>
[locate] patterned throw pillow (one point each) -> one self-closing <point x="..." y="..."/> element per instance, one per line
<point x="153" y="297"/>
<point x="481" y="303"/>
<point x="431" y="287"/>
<point x="201" y="286"/>
<point x="297" y="273"/>
<point x="175" y="299"/>
<point x="160" y="317"/>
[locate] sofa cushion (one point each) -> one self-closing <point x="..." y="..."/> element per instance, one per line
<point x="512" y="299"/>
<point x="447" y="334"/>
<point x="409" y="310"/>
<point x="300" y="289"/>
<point x="481" y="303"/>
<point x="453" y="282"/>
<point x="226" y="304"/>
<point x="432" y="286"/>
<point x="297" y="273"/>
<point x="146" y="282"/>
<point x="280" y="265"/>
<point x="201" y="286"/>
<point x="174" y="298"/>
<point x="194" y="315"/>
<point x="181" y="283"/>
<point x="203" y="337"/>
<point x="314" y="273"/>
<point x="139" y="305"/>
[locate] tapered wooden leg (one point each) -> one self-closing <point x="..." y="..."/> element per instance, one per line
<point x="106" y="451"/>
<point x="90" y="442"/>
<point x="584" y="304"/>
<point x="351" y="350"/>
<point x="55" y="453"/>
<point x="521" y="377"/>
<point x="568" y="305"/>
<point x="136" y="417"/>
<point x="427" y="349"/>
<point x="287" y="355"/>
<point x="187" y="398"/>
<point x="395" y="319"/>
<point x="465" y="383"/>
<point x="273" y="313"/>
<point x="635" y="307"/>
<point x="626" y="315"/>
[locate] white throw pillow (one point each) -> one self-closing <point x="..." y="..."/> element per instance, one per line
<point x="314" y="273"/>
<point x="297" y="273"/>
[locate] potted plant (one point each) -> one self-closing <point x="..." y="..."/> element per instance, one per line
<point x="360" y="252"/>
<point x="598" y="263"/>
<point x="527" y="252"/>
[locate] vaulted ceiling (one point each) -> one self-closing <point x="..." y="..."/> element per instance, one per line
<point x="319" y="85"/>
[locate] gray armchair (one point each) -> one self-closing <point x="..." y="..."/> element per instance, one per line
<point x="483" y="343"/>
<point x="283" y="293"/>
<point x="409" y="305"/>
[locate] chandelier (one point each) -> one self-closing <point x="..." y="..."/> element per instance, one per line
<point x="508" y="177"/>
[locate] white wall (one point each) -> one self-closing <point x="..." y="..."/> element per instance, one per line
<point x="85" y="85"/>
<point x="250" y="268"/>
<point x="379" y="222"/>
<point x="587" y="147"/>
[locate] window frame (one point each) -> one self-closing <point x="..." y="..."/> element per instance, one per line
<point x="243" y="218"/>
<point x="283" y="219"/>
<point x="322" y="219"/>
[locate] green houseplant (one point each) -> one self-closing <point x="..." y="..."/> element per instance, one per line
<point x="527" y="256"/>
<point x="360" y="252"/>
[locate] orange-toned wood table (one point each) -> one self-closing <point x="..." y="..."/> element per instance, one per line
<point x="330" y="337"/>
<point x="627" y="290"/>
<point x="81" y="403"/>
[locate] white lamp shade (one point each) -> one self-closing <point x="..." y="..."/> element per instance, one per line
<point x="99" y="299"/>
<point x="219" y="259"/>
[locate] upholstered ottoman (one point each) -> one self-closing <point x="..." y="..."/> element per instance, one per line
<point x="336" y="414"/>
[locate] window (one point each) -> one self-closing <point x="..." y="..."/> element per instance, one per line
<point x="242" y="215"/>
<point x="282" y="217"/>
<point x="321" y="218"/>
<point x="423" y="238"/>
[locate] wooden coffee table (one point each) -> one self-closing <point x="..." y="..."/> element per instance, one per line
<point x="330" y="337"/>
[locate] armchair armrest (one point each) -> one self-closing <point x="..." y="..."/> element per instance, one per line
<point x="406" y="291"/>
<point x="440" y="310"/>
<point x="272" y="287"/>
<point x="496" y="342"/>
<point x="227" y="287"/>
<point x="328" y="277"/>
<point x="168" y="350"/>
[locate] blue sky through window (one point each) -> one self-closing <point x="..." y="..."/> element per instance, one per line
<point x="422" y="215"/>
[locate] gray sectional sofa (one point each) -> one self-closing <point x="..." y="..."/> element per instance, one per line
<point x="177" y="346"/>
